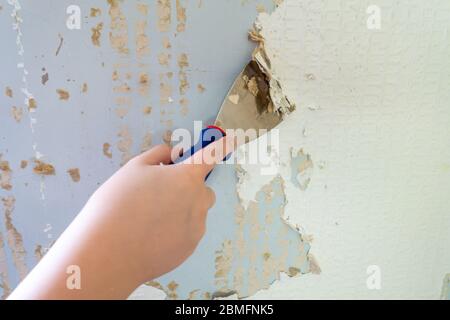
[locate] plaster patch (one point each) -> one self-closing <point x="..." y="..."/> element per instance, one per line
<point x="118" y="35"/>
<point x="115" y="75"/>
<point x="154" y="284"/>
<point x="5" y="174"/>
<point x="96" y="34"/>
<point x="23" y="164"/>
<point x="9" y="92"/>
<point x="125" y="143"/>
<point x="14" y="238"/>
<point x="223" y="265"/>
<point x="147" y="110"/>
<point x="147" y="142"/>
<point x="74" y="174"/>
<point x="95" y="12"/>
<point x="193" y="294"/>
<point x="32" y="104"/>
<point x="165" y="93"/>
<point x="172" y="290"/>
<point x="164" y="58"/>
<point x="167" y="137"/>
<point x="260" y="8"/>
<point x="142" y="8"/>
<point x="164" y="12"/>
<point x="42" y="168"/>
<point x="181" y="16"/>
<point x="63" y="94"/>
<point x="142" y="40"/>
<point x="166" y="43"/>
<point x="201" y="88"/>
<point x="123" y="88"/>
<point x="107" y="150"/>
<point x="17" y="113"/>
<point x="4" y="280"/>
<point x="183" y="63"/>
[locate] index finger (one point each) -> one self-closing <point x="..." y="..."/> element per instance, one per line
<point x="207" y="158"/>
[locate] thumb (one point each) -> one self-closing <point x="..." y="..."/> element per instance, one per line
<point x="205" y="159"/>
<point x="156" y="155"/>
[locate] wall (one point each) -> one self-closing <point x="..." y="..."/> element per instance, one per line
<point x="364" y="158"/>
<point x="374" y="116"/>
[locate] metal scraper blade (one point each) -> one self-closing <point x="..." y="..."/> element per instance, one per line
<point x="249" y="109"/>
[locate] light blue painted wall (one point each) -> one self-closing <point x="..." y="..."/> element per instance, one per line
<point x="71" y="133"/>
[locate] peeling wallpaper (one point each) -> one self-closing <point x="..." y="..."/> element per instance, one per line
<point x="372" y="131"/>
<point x="364" y="160"/>
<point x="363" y="182"/>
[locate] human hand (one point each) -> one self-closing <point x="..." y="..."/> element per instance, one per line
<point x="152" y="215"/>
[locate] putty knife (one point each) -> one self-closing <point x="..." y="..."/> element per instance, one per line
<point x="248" y="105"/>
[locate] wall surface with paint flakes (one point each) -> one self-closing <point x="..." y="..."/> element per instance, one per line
<point x="364" y="160"/>
<point x="366" y="155"/>
<point x="77" y="103"/>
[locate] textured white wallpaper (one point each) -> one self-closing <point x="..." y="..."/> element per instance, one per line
<point x="374" y="115"/>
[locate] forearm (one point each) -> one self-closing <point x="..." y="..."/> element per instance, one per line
<point x="85" y="263"/>
<point x="140" y="224"/>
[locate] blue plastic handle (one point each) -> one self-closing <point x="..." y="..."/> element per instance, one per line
<point x="208" y="136"/>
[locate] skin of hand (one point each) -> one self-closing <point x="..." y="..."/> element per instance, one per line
<point x="140" y="224"/>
